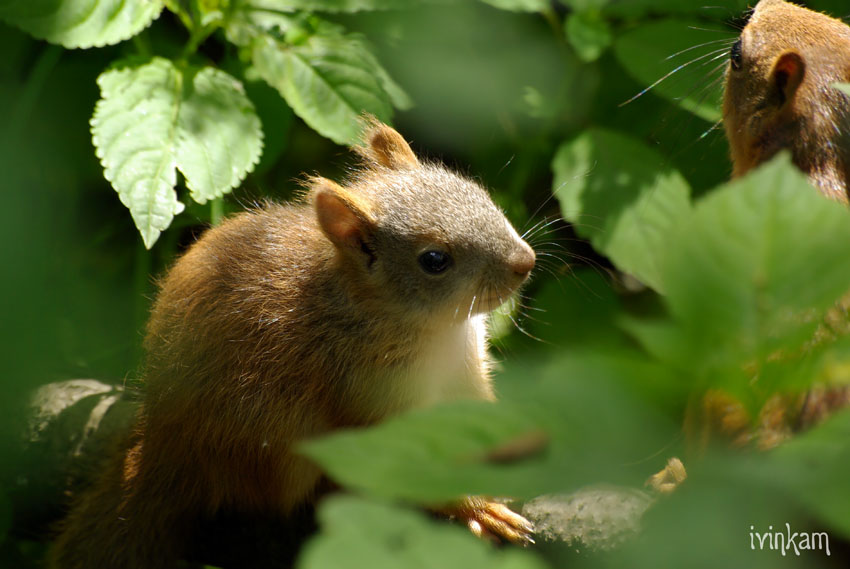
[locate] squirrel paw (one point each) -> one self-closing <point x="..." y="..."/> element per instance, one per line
<point x="668" y="479"/>
<point x="492" y="520"/>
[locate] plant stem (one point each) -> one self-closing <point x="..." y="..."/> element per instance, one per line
<point x="216" y="211"/>
<point x="554" y="22"/>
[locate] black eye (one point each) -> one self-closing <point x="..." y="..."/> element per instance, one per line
<point x="434" y="261"/>
<point x="735" y="55"/>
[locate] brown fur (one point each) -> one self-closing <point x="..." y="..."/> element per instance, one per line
<point x="780" y="95"/>
<point x="287" y="323"/>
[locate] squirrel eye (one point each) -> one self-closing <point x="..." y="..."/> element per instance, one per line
<point x="434" y="261"/>
<point x="735" y="55"/>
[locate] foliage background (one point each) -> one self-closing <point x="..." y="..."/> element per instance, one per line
<point x="500" y="91"/>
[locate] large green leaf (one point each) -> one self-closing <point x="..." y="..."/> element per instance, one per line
<point x="753" y="267"/>
<point x="575" y="420"/>
<point x="153" y="118"/>
<point x="667" y="56"/>
<point x="622" y="196"/>
<point x="81" y="23"/>
<point x="219" y="137"/>
<point x="327" y="80"/>
<point x="357" y="533"/>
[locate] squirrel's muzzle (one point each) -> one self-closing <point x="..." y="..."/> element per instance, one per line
<point x="521" y="261"/>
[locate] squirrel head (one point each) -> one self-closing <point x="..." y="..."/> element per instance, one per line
<point x="779" y="90"/>
<point x="418" y="238"/>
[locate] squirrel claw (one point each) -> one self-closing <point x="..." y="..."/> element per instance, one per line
<point x="493" y="521"/>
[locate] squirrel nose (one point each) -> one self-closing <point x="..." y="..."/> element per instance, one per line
<point x="521" y="261"/>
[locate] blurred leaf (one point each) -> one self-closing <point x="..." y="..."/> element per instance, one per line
<point x="81" y="23"/>
<point x="344" y="5"/>
<point x="584" y="296"/>
<point x="153" y="117"/>
<point x="519" y="5"/>
<point x="719" y="10"/>
<point x="844" y="87"/>
<point x="360" y="533"/>
<point x="812" y="467"/>
<point x="706" y="523"/>
<point x="739" y="269"/>
<point x="622" y="196"/>
<point x="588" y="33"/>
<point x="328" y="82"/>
<point x="586" y="407"/>
<point x="583" y="5"/>
<point x="661" y="55"/>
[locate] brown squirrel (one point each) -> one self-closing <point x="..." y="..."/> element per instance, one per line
<point x="780" y="94"/>
<point x="292" y="321"/>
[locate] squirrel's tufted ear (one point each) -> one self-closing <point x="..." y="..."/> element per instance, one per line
<point x="787" y="74"/>
<point x="343" y="217"/>
<point x="384" y="146"/>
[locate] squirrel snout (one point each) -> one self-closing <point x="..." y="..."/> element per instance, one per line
<point x="521" y="261"/>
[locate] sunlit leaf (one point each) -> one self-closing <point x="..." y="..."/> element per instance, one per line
<point x="81" y="23"/>
<point x="219" y="135"/>
<point x="326" y="80"/>
<point x="622" y="196"/>
<point x="754" y="266"/>
<point x="153" y="118"/>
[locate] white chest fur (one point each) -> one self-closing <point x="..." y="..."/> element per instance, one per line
<point x="452" y="365"/>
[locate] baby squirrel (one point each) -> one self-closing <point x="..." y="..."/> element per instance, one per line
<point x="779" y="94"/>
<point x="291" y="321"/>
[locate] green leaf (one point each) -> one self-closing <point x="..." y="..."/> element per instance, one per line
<point x="588" y="33"/>
<point x="622" y="196"/>
<point x="755" y="265"/>
<point x="219" y="137"/>
<point x="520" y="5"/>
<point x="247" y="18"/>
<point x="633" y="9"/>
<point x="661" y="56"/>
<point x="812" y="467"/>
<point x="342" y="5"/>
<point x="434" y="455"/>
<point x="359" y="533"/>
<point x="328" y="81"/>
<point x="81" y="23"/>
<point x="153" y="118"/>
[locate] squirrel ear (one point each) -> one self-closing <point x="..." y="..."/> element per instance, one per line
<point x="787" y="74"/>
<point x="383" y="145"/>
<point x="342" y="217"/>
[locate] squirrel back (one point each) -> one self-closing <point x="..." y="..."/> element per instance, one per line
<point x="780" y="94"/>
